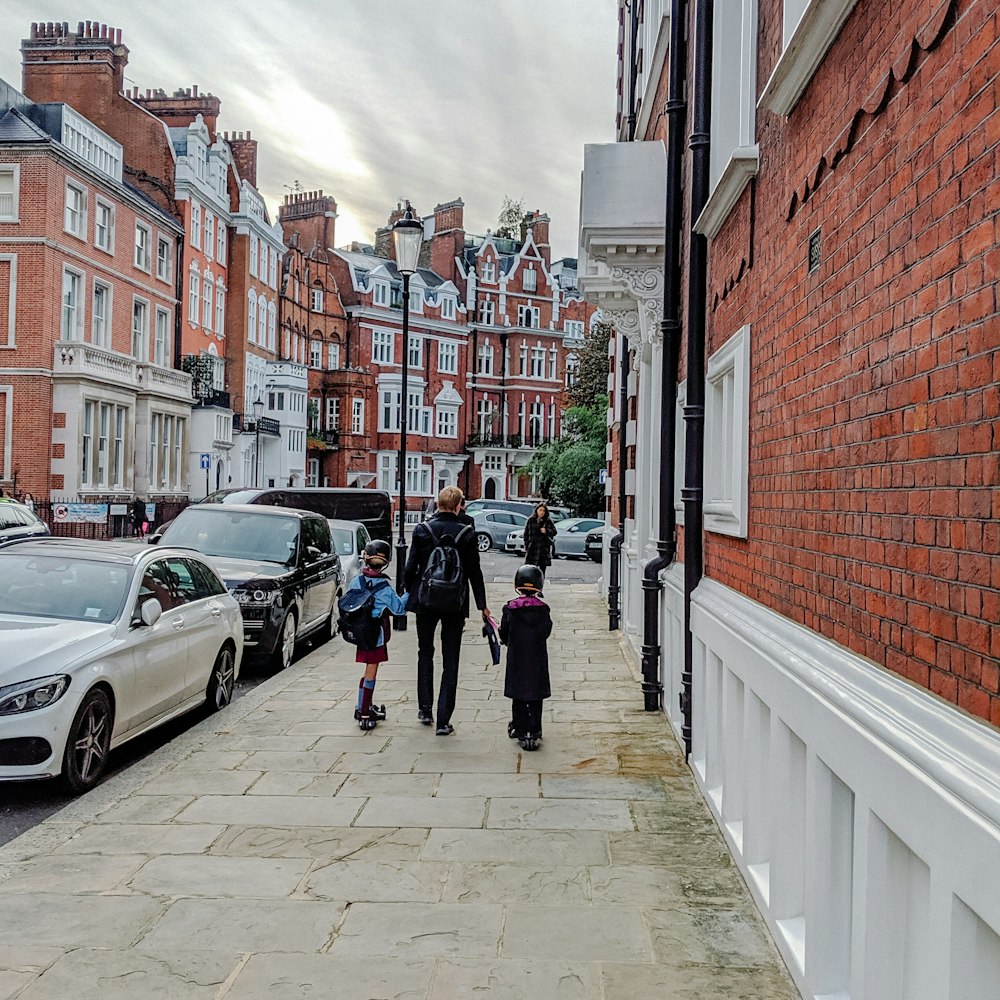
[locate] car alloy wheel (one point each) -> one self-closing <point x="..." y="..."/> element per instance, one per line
<point x="285" y="650"/>
<point x="484" y="542"/>
<point x="89" y="741"/>
<point x="222" y="681"/>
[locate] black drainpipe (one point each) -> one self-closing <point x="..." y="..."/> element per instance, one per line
<point x="694" y="411"/>
<point x="615" y="547"/>
<point x="670" y="329"/>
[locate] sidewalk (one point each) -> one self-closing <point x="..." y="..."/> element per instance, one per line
<point x="276" y="851"/>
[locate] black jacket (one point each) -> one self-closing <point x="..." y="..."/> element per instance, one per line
<point x="524" y="626"/>
<point x="538" y="547"/>
<point x="421" y="547"/>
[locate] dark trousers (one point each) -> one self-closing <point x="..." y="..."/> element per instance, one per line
<point x="451" y="648"/>
<point x="527" y="717"/>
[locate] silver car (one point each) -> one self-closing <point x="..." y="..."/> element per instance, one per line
<point x="493" y="527"/>
<point x="570" y="543"/>
<point x="349" y="541"/>
<point x="101" y="642"/>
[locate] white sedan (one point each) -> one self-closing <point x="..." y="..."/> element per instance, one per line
<point x="101" y="642"/>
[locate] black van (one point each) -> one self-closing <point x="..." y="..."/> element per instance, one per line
<point x="371" y="507"/>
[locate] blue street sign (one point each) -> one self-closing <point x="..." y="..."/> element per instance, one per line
<point x="602" y="476"/>
<point x="206" y="460"/>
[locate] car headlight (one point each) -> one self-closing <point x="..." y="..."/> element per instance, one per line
<point x="255" y="596"/>
<point x="29" y="696"/>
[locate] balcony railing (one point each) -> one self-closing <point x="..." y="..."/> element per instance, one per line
<point x="212" y="397"/>
<point x="244" y="423"/>
<point x="506" y="440"/>
<point x="6" y="205"/>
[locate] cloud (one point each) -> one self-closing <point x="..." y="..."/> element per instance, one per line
<point x="376" y="100"/>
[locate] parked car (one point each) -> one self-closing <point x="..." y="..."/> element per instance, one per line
<point x="372" y="508"/>
<point x="17" y="521"/>
<point x="101" y="642"/>
<point x="594" y="545"/>
<point x="349" y="541"/>
<point x="279" y="565"/>
<point x="526" y="507"/>
<point x="568" y="544"/>
<point x="493" y="527"/>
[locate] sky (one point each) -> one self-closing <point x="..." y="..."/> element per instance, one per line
<point x="374" y="101"/>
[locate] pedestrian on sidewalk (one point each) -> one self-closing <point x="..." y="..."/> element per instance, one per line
<point x="539" y="535"/>
<point x="137" y="509"/>
<point x="387" y="602"/>
<point x="525" y="627"/>
<point x="443" y="564"/>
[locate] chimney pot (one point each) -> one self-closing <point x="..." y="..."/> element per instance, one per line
<point x="79" y="29"/>
<point x="195" y="90"/>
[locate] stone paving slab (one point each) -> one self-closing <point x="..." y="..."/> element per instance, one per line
<point x="275" y="850"/>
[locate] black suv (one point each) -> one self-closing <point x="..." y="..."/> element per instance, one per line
<point x="278" y="563"/>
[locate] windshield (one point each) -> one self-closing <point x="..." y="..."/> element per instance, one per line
<point x="236" y="534"/>
<point x="57" y="587"/>
<point x="343" y="541"/>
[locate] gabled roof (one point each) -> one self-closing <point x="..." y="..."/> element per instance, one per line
<point x="364" y="263"/>
<point x="15" y="127"/>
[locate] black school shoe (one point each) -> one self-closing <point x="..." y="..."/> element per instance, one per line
<point x="426" y="716"/>
<point x="367" y="722"/>
<point x="446" y="730"/>
<point x="377" y="712"/>
<point x="512" y="732"/>
<point x="528" y="742"/>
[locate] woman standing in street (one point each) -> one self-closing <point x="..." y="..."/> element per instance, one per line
<point x="539" y="533"/>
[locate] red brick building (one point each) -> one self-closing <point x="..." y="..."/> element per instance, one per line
<point x="818" y="608"/>
<point x="90" y="405"/>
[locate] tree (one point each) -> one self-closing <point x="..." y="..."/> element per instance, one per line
<point x="592" y="374"/>
<point x="510" y="218"/>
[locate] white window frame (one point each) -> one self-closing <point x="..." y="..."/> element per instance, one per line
<point x="416" y="300"/>
<point x="100" y="206"/>
<point x="529" y="279"/>
<point x="77" y="227"/>
<point x="418" y="476"/>
<point x="195" y="225"/>
<point x="484" y="362"/>
<point x="447" y="361"/>
<point x="162" y="354"/>
<point x="733" y="154"/>
<point x="220" y="243"/>
<point x="194" y="295"/>
<point x="101" y="337"/>
<point x="415" y="354"/>
<point x="316" y="299"/>
<point x="272" y="327"/>
<point x="537" y="369"/>
<point x="380" y="293"/>
<point x="810" y="27"/>
<point x="12" y="170"/>
<point x="254" y="254"/>
<point x="315" y="353"/>
<point x="140" y="337"/>
<point x="251" y="317"/>
<point x="383" y="347"/>
<point x="357" y="415"/>
<point x="333" y="413"/>
<point x="447" y="307"/>
<point x="727" y="435"/>
<point x="447" y="422"/>
<point x="388" y="409"/>
<point x="71" y="323"/>
<point x="142" y="247"/>
<point x="387" y="472"/>
<point x="209" y="249"/>
<point x="164" y="264"/>
<point x="487" y="312"/>
<point x="312" y="472"/>
<point x="220" y="306"/>
<point x="207" y="303"/>
<point x="262" y="322"/>
<point x="333" y="355"/>
<point x="489" y="272"/>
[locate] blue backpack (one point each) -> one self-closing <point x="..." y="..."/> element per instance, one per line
<point x="355" y="608"/>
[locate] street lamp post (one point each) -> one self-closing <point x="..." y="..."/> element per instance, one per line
<point x="258" y="412"/>
<point x="407" y="235"/>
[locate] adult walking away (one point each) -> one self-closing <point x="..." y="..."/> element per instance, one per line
<point x="442" y="565"/>
<point x="137" y="510"/>
<point x="539" y="535"/>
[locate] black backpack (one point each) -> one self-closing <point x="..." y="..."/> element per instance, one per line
<point x="442" y="587"/>
<point x="356" y="623"/>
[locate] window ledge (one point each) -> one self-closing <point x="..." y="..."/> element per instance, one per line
<point x="820" y="24"/>
<point x="742" y="166"/>
<point x="723" y="520"/>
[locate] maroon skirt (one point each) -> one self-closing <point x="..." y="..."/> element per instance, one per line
<point x="378" y="655"/>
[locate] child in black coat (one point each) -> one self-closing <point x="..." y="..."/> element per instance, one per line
<point x="524" y="628"/>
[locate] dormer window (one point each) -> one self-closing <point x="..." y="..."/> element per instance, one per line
<point x="489" y="271"/>
<point x="380" y="293"/>
<point x="530" y="280"/>
<point x="447" y="307"/>
<point x="416" y="300"/>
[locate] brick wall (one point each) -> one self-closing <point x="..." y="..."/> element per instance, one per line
<point x="875" y="410"/>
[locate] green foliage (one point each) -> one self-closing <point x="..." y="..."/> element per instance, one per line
<point x="592" y="375"/>
<point x="510" y="218"/>
<point x="568" y="470"/>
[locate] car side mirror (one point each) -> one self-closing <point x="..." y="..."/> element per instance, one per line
<point x="150" y="612"/>
<point x="154" y="539"/>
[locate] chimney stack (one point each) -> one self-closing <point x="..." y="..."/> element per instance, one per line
<point x="75" y="67"/>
